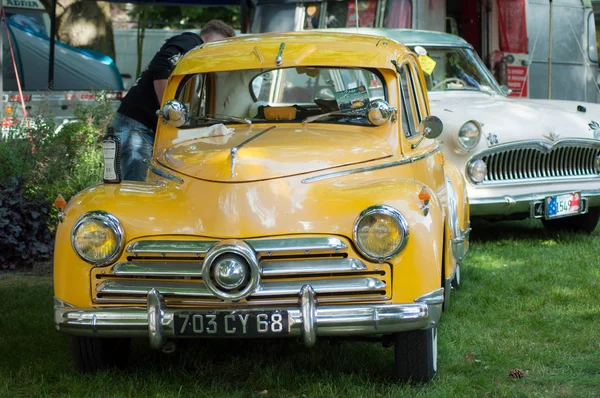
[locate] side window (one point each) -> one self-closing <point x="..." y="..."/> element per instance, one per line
<point x="193" y="95"/>
<point x="409" y="108"/>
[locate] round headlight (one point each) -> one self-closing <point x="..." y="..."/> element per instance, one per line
<point x="97" y="237"/>
<point x="380" y="232"/>
<point x="477" y="170"/>
<point x="469" y="135"/>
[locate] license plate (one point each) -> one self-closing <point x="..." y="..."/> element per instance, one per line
<point x="232" y="323"/>
<point x="563" y="205"/>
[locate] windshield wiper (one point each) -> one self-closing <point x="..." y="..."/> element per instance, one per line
<point x="334" y="113"/>
<point x="220" y="118"/>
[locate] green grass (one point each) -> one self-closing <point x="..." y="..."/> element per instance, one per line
<point x="529" y="300"/>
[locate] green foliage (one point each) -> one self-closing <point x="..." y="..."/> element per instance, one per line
<point x="161" y="17"/>
<point x="24" y="219"/>
<point x="41" y="161"/>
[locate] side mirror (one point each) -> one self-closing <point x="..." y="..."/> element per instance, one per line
<point x="379" y="112"/>
<point x="431" y="127"/>
<point x="173" y="113"/>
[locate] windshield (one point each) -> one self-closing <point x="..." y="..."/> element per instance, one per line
<point x="454" y="69"/>
<point x="284" y="95"/>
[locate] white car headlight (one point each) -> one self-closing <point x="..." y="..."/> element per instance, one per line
<point x="97" y="237"/>
<point x="380" y="232"/>
<point x="477" y="171"/>
<point x="469" y="135"/>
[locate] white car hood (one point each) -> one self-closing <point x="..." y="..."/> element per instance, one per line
<point x="506" y="119"/>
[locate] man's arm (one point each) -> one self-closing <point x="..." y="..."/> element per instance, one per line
<point x="159" y="88"/>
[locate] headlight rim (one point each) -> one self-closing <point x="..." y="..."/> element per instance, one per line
<point x="112" y="222"/>
<point x="389" y="211"/>
<point x="471" y="166"/>
<point x="460" y="143"/>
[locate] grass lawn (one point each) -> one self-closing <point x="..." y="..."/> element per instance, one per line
<point x="530" y="300"/>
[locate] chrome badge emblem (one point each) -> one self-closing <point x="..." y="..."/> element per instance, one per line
<point x="595" y="127"/>
<point x="230" y="271"/>
<point x="552" y="136"/>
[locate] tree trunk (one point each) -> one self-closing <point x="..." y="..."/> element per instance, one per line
<point x="86" y="24"/>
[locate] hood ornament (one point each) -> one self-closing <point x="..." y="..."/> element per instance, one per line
<point x="595" y="127"/>
<point x="233" y="152"/>
<point x="552" y="136"/>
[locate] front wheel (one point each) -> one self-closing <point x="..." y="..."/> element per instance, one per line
<point x="415" y="355"/>
<point x="584" y="222"/>
<point x="93" y="354"/>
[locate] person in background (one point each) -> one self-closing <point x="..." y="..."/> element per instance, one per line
<point x="135" y="121"/>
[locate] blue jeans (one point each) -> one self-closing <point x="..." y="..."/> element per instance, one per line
<point x="137" y="142"/>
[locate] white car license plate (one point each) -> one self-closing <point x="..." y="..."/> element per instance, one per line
<point x="563" y="205"/>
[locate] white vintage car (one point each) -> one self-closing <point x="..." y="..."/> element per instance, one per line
<point x="522" y="158"/>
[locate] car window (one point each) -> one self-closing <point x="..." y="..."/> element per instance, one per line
<point x="409" y="109"/>
<point x="310" y="91"/>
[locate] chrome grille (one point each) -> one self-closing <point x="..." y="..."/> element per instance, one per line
<point x="540" y="160"/>
<point x="174" y="268"/>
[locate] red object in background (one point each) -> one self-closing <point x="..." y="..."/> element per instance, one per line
<point x="366" y="12"/>
<point x="517" y="81"/>
<point x="513" y="26"/>
<point x="471" y="23"/>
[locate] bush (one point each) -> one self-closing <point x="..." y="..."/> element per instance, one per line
<point x="40" y="162"/>
<point x="24" y="219"/>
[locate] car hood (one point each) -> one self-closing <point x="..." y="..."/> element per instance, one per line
<point x="267" y="152"/>
<point x="509" y="119"/>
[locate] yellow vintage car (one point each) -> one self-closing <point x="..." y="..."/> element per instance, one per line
<point x="273" y="208"/>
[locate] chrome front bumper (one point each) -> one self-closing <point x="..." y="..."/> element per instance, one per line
<point x="307" y="321"/>
<point x="524" y="204"/>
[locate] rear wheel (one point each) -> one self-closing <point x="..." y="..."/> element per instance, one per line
<point x="415" y="355"/>
<point x="92" y="354"/>
<point x="585" y="222"/>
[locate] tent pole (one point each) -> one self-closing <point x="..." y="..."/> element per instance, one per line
<point x="1" y="65"/>
<point x="550" y="53"/>
<point x="52" y="44"/>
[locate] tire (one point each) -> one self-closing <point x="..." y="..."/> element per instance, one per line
<point x="415" y="355"/>
<point x="585" y="222"/>
<point x="92" y="354"/>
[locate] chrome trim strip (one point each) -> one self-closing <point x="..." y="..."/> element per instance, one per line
<point x="339" y="320"/>
<point x="173" y="269"/>
<point x="267" y="268"/>
<point x="343" y="286"/>
<point x="295" y="267"/>
<point x="297" y="244"/>
<point x="194" y="247"/>
<point x="141" y="288"/>
<point x="371" y="168"/>
<point x="199" y="289"/>
<point x="270" y="245"/>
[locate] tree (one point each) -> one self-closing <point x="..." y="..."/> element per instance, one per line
<point x="84" y="24"/>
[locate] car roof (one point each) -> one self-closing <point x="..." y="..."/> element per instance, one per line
<point x="411" y="37"/>
<point x="314" y="48"/>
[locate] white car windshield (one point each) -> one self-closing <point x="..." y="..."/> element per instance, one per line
<point x="286" y="94"/>
<point x="455" y="69"/>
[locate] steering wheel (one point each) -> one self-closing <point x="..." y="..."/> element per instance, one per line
<point x="448" y="80"/>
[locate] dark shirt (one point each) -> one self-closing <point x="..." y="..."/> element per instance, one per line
<point x="140" y="103"/>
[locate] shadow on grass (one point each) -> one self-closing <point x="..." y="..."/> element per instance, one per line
<point x="488" y="231"/>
